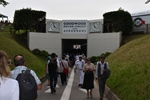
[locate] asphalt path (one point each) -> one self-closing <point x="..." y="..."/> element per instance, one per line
<point x="69" y="92"/>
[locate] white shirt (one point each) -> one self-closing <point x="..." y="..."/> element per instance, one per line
<point x="79" y="64"/>
<point x="58" y="62"/>
<point x="67" y="57"/>
<point x="47" y="66"/>
<point x="9" y="89"/>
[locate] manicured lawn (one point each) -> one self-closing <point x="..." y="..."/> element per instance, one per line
<point x="13" y="47"/>
<point x="130" y="69"/>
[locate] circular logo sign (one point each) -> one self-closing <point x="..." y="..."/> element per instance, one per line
<point x="138" y="22"/>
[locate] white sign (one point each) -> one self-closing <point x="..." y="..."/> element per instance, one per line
<point x="141" y="28"/>
<point x="141" y="13"/>
<point x="74" y="26"/>
<point x="140" y="23"/>
<point x="54" y="26"/>
<point x="95" y="27"/>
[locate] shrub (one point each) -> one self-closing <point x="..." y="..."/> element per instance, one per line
<point x="107" y="54"/>
<point x="36" y="51"/>
<point x="97" y="58"/>
<point x="44" y="54"/>
<point x="94" y="59"/>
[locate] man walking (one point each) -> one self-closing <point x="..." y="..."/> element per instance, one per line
<point x="79" y="69"/>
<point x="101" y="68"/>
<point x="20" y="68"/>
<point x="52" y="69"/>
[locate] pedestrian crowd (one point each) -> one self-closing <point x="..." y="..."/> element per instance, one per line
<point x="22" y="83"/>
<point x="85" y="71"/>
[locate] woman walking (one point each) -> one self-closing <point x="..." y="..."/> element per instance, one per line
<point x="88" y="83"/>
<point x="9" y="88"/>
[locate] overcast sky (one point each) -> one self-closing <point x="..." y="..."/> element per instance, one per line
<point x="74" y="9"/>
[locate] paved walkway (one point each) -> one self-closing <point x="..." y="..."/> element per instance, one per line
<point x="69" y="92"/>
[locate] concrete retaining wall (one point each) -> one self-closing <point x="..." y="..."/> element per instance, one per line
<point x="109" y="94"/>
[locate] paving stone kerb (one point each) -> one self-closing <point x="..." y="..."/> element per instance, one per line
<point x="109" y="94"/>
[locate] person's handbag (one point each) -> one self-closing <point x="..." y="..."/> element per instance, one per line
<point x="66" y="71"/>
<point x="106" y="73"/>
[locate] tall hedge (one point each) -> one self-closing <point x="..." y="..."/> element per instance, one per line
<point x="29" y="20"/>
<point x="118" y="21"/>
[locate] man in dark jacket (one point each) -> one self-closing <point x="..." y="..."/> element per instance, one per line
<point x="52" y="69"/>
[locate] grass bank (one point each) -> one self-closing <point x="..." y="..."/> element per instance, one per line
<point x="130" y="69"/>
<point x="12" y="48"/>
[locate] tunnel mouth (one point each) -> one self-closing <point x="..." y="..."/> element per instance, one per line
<point x="74" y="46"/>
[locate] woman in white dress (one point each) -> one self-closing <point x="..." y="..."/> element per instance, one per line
<point x="9" y="88"/>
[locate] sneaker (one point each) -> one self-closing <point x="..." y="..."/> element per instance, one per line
<point x="53" y="90"/>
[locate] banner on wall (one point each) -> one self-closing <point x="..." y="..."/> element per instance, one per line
<point x="141" y="21"/>
<point x="74" y="26"/>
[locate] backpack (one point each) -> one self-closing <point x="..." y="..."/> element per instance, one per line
<point x="52" y="66"/>
<point x="106" y="73"/>
<point x="27" y="85"/>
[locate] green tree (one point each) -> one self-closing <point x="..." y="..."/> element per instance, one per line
<point x="3" y="2"/>
<point x="29" y="20"/>
<point x="118" y="21"/>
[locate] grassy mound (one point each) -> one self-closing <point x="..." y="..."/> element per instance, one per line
<point x="130" y="69"/>
<point x="12" y="48"/>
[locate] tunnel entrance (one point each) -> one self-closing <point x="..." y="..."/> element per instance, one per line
<point x="74" y="46"/>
